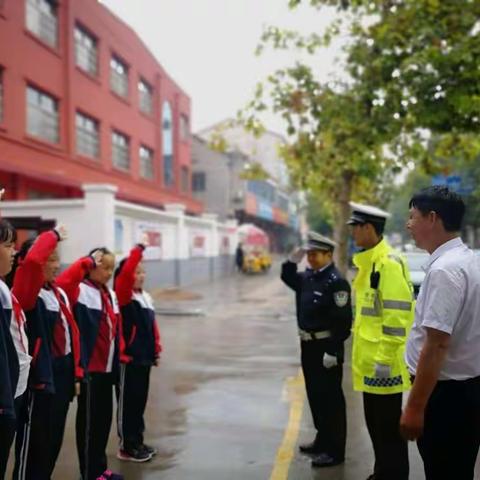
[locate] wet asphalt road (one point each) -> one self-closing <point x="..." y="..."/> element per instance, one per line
<point x="221" y="398"/>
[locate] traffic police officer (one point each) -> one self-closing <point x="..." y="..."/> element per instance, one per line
<point x="324" y="317"/>
<point x="383" y="317"/>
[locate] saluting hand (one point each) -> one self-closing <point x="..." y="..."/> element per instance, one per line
<point x="61" y="231"/>
<point x="2" y="193"/>
<point x="411" y="423"/>
<point x="97" y="256"/>
<point x="297" y="255"/>
<point x="145" y="240"/>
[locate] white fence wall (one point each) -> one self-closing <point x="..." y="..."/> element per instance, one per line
<point x="183" y="249"/>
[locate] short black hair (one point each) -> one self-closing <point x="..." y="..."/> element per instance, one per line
<point x="448" y="205"/>
<point x="379" y="227"/>
<point x="118" y="270"/>
<point x="20" y="255"/>
<point x="104" y="250"/>
<point x="8" y="233"/>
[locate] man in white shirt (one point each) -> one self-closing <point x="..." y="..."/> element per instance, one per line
<point x="443" y="350"/>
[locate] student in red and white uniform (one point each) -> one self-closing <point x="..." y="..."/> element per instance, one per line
<point x="142" y="344"/>
<point x="54" y="338"/>
<point x="14" y="357"/>
<point x="97" y="314"/>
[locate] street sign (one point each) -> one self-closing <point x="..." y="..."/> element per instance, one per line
<point x="454" y="182"/>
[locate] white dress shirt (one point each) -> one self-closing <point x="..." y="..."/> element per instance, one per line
<point x="449" y="301"/>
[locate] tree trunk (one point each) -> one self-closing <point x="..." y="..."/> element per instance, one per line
<point x="341" y="231"/>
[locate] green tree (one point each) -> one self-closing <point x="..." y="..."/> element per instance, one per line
<point x="413" y="76"/>
<point x="336" y="141"/>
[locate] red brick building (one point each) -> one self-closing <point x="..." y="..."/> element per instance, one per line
<point x="82" y="100"/>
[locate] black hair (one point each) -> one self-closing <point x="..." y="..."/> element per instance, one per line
<point x="118" y="270"/>
<point x="7" y="232"/>
<point x="20" y="255"/>
<point x="448" y="205"/>
<point x="104" y="250"/>
<point x="379" y="228"/>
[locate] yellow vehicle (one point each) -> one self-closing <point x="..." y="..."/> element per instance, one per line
<point x="256" y="261"/>
<point x="256" y="249"/>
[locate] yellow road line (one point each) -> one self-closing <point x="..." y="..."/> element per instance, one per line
<point x="296" y="393"/>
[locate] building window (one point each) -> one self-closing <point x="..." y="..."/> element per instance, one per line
<point x="184" y="128"/>
<point x="167" y="135"/>
<point x="42" y="115"/>
<point x="199" y="181"/>
<point x="1" y="94"/>
<point x="146" y="163"/>
<point x="120" y="151"/>
<point x="145" y="96"/>
<point x="119" y="77"/>
<point x="85" y="51"/>
<point x="41" y="19"/>
<point x="87" y="136"/>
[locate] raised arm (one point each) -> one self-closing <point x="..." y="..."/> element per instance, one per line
<point x="126" y="278"/>
<point x="29" y="277"/>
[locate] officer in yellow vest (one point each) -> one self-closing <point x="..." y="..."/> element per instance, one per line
<point x="383" y="316"/>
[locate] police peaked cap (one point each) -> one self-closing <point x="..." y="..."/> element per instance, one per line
<point x="362" y="214"/>
<point x="315" y="241"/>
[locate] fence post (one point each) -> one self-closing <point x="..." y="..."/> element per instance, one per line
<point x="99" y="214"/>
<point x="181" y="239"/>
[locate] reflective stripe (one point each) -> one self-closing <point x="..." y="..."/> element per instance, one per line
<point x="371" y="312"/>
<point x="383" y="382"/>
<point x="397" y="305"/>
<point x="394" y="331"/>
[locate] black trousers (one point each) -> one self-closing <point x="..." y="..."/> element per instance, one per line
<point x="7" y="434"/>
<point x="8" y="428"/>
<point x="382" y="414"/>
<point x="132" y="394"/>
<point x="93" y="422"/>
<point x="326" y="399"/>
<point x="451" y="436"/>
<point x="40" y="436"/>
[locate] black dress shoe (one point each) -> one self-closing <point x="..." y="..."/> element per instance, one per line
<point x="310" y="448"/>
<point x="325" y="460"/>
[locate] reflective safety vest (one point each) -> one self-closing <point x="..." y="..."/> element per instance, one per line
<point x="384" y="310"/>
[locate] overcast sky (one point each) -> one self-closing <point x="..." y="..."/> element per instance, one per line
<point x="208" y="46"/>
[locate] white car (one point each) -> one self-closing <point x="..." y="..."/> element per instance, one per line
<point x="416" y="260"/>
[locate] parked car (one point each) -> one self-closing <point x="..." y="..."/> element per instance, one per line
<point x="416" y="260"/>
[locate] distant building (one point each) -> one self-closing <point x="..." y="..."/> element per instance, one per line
<point x="82" y="100"/>
<point x="269" y="203"/>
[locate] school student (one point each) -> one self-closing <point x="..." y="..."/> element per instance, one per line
<point x="97" y="314"/>
<point x="56" y="371"/>
<point x="142" y="344"/>
<point x="14" y="356"/>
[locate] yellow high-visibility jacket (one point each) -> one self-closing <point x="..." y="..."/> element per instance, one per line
<point x="384" y="310"/>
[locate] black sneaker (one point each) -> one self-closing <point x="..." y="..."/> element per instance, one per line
<point x="134" y="455"/>
<point x="147" y="448"/>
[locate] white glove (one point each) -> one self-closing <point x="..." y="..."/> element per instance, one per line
<point x="382" y="371"/>
<point x="297" y="255"/>
<point x="329" y="361"/>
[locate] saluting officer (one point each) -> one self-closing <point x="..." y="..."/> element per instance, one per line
<point x="324" y="317"/>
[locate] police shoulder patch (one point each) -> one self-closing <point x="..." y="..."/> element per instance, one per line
<point x="340" y="298"/>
